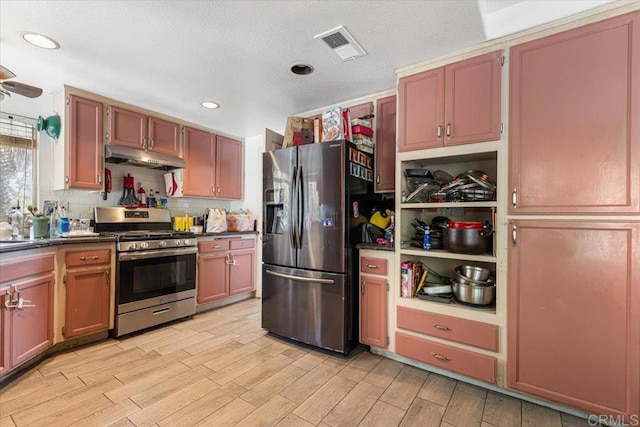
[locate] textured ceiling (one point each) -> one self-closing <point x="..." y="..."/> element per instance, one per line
<point x="168" y="56"/>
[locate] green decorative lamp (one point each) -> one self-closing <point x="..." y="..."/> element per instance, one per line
<point x="51" y="125"/>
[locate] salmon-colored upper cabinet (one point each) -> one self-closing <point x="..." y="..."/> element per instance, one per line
<point x="574" y="314"/>
<point x="574" y="139"/>
<point x="361" y="110"/>
<point x="228" y="165"/>
<point x="421" y="110"/>
<point x="214" y="165"/>
<point x="385" y="153"/>
<point x="136" y="130"/>
<point x="127" y="128"/>
<point x="85" y="147"/>
<point x="199" y="155"/>
<point x="455" y="104"/>
<point x="164" y="136"/>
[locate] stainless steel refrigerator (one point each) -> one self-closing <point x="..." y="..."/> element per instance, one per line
<point x="309" y="294"/>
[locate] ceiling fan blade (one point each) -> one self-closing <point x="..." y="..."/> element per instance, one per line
<point x="5" y="74"/>
<point x="22" y="89"/>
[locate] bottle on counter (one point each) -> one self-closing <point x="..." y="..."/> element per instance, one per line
<point x="151" y="200"/>
<point x="142" y="196"/>
<point x="53" y="226"/>
<point x="157" y="199"/>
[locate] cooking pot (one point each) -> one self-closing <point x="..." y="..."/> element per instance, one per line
<point x="467" y="237"/>
<point x="477" y="295"/>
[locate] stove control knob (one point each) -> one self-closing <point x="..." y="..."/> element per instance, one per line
<point x="178" y="242"/>
<point x="144" y="245"/>
<point x="187" y="242"/>
<point x="133" y="246"/>
<point x="163" y="243"/>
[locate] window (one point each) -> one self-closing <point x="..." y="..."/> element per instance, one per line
<point x="17" y="159"/>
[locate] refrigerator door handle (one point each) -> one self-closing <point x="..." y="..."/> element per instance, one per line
<point x="299" y="278"/>
<point x="300" y="212"/>
<point x="293" y="208"/>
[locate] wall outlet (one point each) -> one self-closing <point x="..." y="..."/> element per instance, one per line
<point x="64" y="205"/>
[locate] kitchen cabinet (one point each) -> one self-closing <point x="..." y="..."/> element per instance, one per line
<point x="385" y="152"/>
<point x="455" y="104"/>
<point x="27" y="327"/>
<point x="225" y="267"/>
<point x="574" y="138"/>
<point x="137" y="130"/>
<point x="465" y="362"/>
<point x="78" y="158"/>
<point x="228" y="168"/>
<point x="214" y="165"/>
<point x="574" y="313"/>
<point x="361" y="110"/>
<point x="376" y="268"/>
<point x="438" y="259"/>
<point x="87" y="282"/>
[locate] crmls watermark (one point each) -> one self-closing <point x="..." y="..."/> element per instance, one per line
<point x="614" y="420"/>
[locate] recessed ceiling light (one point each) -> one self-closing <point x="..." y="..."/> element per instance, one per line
<point x="41" y="41"/>
<point x="210" y="104"/>
<point x="302" y="69"/>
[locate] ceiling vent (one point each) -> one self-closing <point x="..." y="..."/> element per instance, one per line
<point x="342" y="43"/>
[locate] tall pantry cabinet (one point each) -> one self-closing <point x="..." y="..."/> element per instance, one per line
<point x="574" y="285"/>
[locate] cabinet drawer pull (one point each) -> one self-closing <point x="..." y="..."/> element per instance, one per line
<point x="442" y="328"/>
<point x="372" y="266"/>
<point x="88" y="258"/>
<point x="215" y="246"/>
<point x="439" y="357"/>
<point x="243" y="244"/>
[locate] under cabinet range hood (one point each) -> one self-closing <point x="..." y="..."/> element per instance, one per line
<point x="147" y="159"/>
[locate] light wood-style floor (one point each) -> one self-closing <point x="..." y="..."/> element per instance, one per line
<point x="221" y="369"/>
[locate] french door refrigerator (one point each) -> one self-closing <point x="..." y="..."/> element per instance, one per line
<point x="309" y="293"/>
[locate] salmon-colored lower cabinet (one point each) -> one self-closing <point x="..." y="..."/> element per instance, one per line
<point x="28" y="329"/>
<point x="574" y="313"/>
<point x="26" y="309"/>
<point x="373" y="311"/>
<point x="469" y="363"/>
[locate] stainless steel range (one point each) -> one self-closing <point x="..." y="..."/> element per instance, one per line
<point x="156" y="268"/>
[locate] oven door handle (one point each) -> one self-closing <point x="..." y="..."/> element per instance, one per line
<point x="129" y="256"/>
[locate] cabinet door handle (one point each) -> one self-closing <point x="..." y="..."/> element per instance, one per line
<point x="213" y="189"/>
<point x="373" y="266"/>
<point x="514" y="235"/>
<point x="151" y="144"/>
<point x="514" y="198"/>
<point x="377" y="178"/>
<point x="99" y="178"/>
<point x="439" y="357"/>
<point x="448" y="130"/>
<point x="439" y="132"/>
<point x="218" y="189"/>
<point x="362" y="287"/>
<point x="442" y="328"/>
<point x="106" y="277"/>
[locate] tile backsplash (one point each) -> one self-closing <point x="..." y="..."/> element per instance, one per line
<point x="82" y="202"/>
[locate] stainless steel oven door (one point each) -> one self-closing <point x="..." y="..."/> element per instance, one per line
<point x="162" y="275"/>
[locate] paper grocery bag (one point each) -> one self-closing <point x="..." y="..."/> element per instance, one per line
<point x="295" y="124"/>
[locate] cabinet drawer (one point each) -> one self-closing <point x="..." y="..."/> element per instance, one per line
<point x="464" y="362"/>
<point x="373" y="265"/>
<point x="213" y="246"/>
<point x="12" y="270"/>
<point x="242" y="244"/>
<point x="477" y="334"/>
<point x="84" y="258"/>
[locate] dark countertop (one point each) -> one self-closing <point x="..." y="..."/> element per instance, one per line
<point x="21" y="245"/>
<point x="225" y="234"/>
<point x="374" y="247"/>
